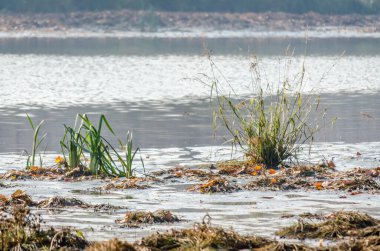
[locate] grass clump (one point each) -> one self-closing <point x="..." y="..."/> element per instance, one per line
<point x="21" y="230"/>
<point x="135" y="219"/>
<point x="335" y="226"/>
<point x="274" y="121"/>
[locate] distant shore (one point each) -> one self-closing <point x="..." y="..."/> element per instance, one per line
<point x="146" y="21"/>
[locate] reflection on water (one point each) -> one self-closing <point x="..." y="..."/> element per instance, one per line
<point x="61" y="81"/>
<point x="182" y="124"/>
<point x="261" y="45"/>
<point x="147" y="84"/>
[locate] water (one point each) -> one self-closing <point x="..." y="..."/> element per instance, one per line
<point x="147" y="84"/>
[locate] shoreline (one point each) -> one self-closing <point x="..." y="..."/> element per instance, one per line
<point x="127" y="23"/>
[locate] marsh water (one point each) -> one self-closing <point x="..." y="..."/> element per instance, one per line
<point x="150" y="85"/>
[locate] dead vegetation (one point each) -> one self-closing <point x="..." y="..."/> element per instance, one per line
<point x="334" y="226"/>
<point x="111" y="245"/>
<point x="184" y="172"/>
<point x="235" y="167"/>
<point x="18" y="198"/>
<point x="61" y="202"/>
<point x="138" y="218"/>
<point x="371" y="243"/>
<point x="58" y="202"/>
<point x="202" y="237"/>
<point x="318" y="178"/>
<point x="21" y="230"/>
<point x="47" y="173"/>
<point x="218" y="185"/>
<point x="131" y="183"/>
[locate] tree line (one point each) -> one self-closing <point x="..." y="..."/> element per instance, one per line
<point x="289" y="6"/>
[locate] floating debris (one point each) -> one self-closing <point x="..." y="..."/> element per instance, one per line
<point x="317" y="178"/>
<point x="371" y="243"/>
<point x="182" y="172"/>
<point x="309" y="171"/>
<point x="135" y="219"/>
<point x="131" y="183"/>
<point x="277" y="183"/>
<point x="219" y="185"/>
<point x="235" y="167"/>
<point x="47" y="173"/>
<point x="57" y="202"/>
<point x="18" y="198"/>
<point x="61" y="202"/>
<point x="336" y="225"/>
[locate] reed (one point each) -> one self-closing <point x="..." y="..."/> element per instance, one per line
<point x="71" y="145"/>
<point x="101" y="161"/>
<point x="37" y="140"/>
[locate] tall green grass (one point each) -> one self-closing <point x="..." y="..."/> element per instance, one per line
<point x="101" y="161"/>
<point x="272" y="124"/>
<point x="104" y="158"/>
<point x="71" y="146"/>
<point x="130" y="155"/>
<point x="37" y="140"/>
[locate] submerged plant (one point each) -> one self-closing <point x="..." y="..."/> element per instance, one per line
<point x="37" y="140"/>
<point x="274" y="121"/>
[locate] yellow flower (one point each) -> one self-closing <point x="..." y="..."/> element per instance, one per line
<point x="257" y="168"/>
<point x="254" y="173"/>
<point x="59" y="160"/>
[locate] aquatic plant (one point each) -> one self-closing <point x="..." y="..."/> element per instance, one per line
<point x="96" y="146"/>
<point x="71" y="144"/>
<point x="37" y="140"/>
<point x="274" y="121"/>
<point x="127" y="163"/>
<point x="103" y="155"/>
